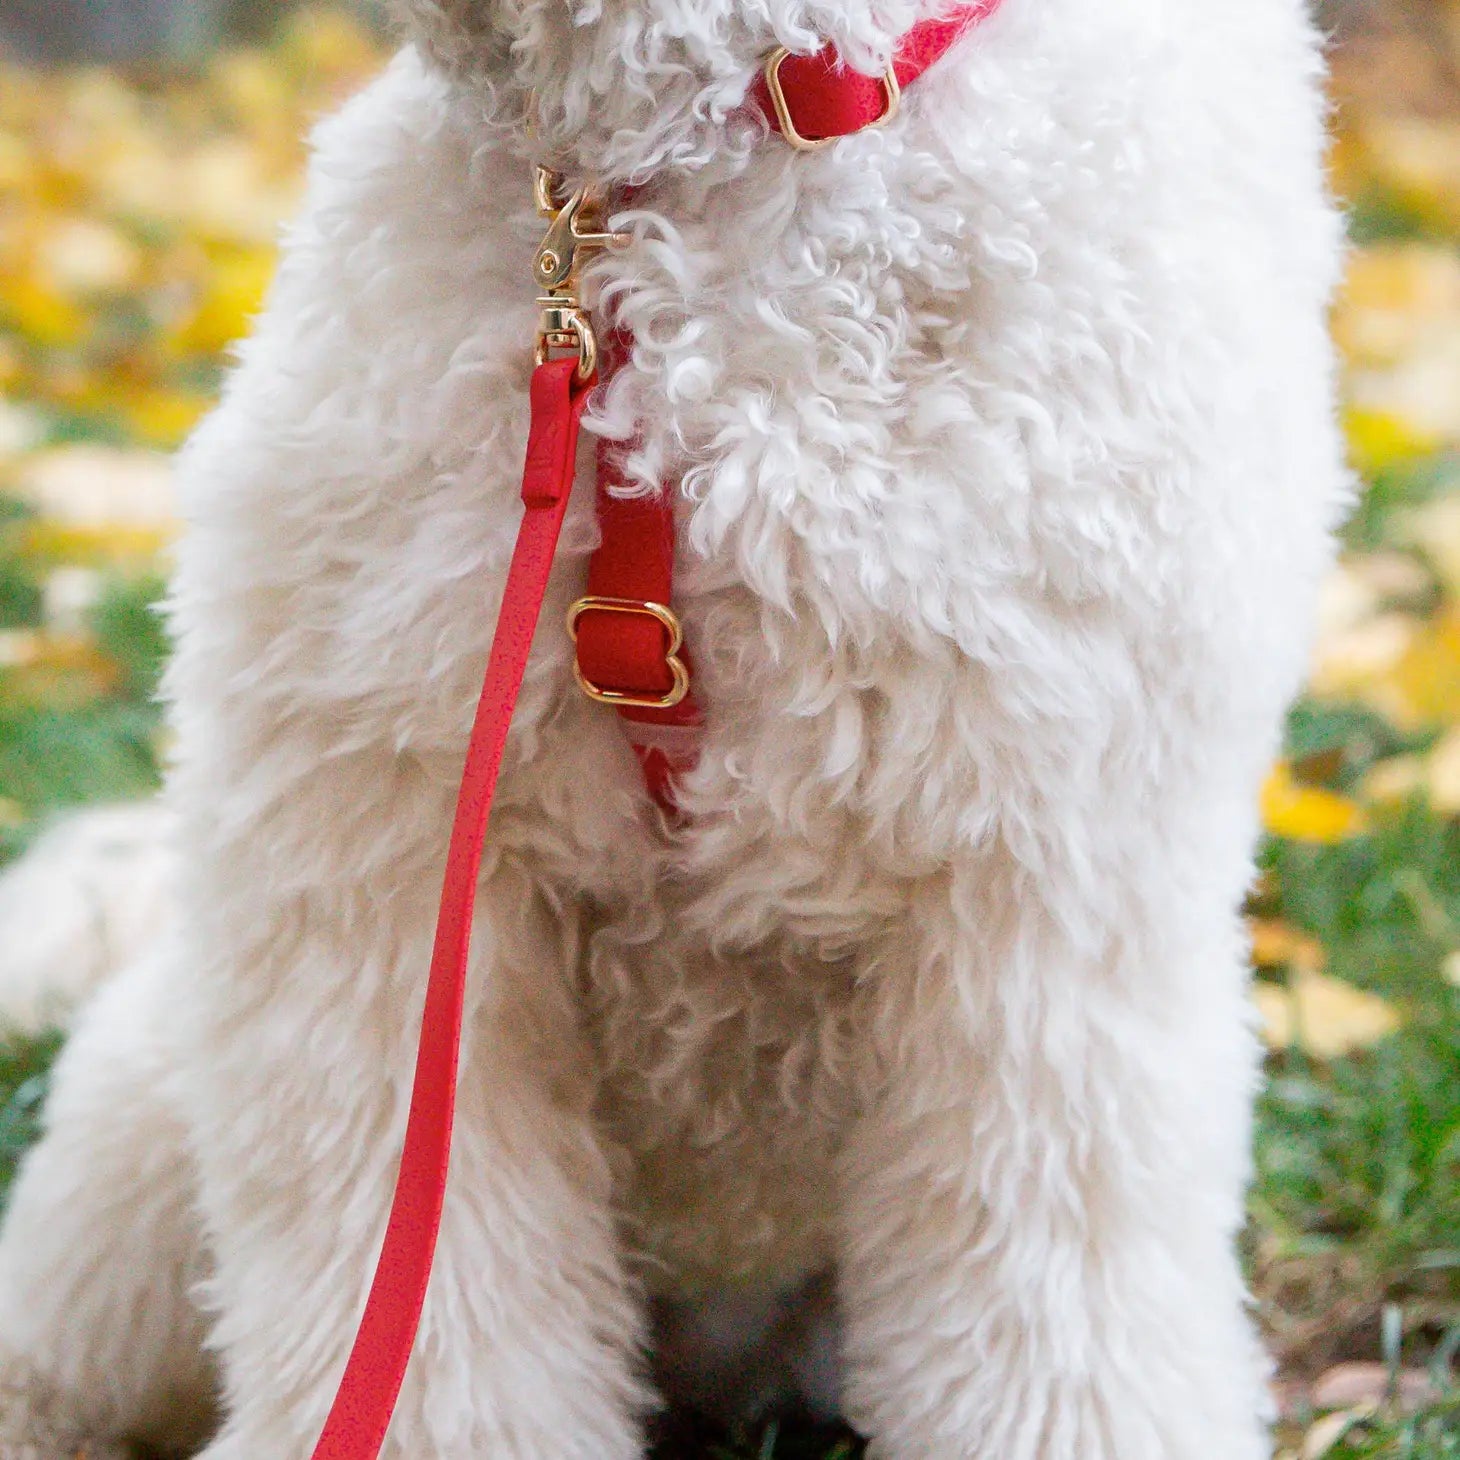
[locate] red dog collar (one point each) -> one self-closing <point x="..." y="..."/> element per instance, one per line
<point x="813" y="100"/>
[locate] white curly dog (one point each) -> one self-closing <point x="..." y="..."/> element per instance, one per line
<point x="1005" y="465"/>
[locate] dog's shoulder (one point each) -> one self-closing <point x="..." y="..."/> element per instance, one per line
<point x="357" y="485"/>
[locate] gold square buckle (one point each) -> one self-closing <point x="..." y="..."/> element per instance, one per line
<point x="773" y="64"/>
<point x="627" y="699"/>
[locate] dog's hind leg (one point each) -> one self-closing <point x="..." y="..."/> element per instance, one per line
<point x="530" y="1339"/>
<point x="90" y="897"/>
<point x="100" y="1341"/>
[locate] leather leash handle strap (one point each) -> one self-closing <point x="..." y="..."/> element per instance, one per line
<point x="360" y="1415"/>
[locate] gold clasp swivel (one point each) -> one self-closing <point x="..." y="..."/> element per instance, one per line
<point x="575" y="228"/>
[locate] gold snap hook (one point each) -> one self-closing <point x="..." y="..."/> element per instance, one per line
<point x="557" y="256"/>
<point x="572" y="227"/>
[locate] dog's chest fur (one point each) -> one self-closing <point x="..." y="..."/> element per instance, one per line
<point x="966" y="457"/>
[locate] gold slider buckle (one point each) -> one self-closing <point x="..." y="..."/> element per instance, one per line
<point x="667" y="620"/>
<point x="890" y="87"/>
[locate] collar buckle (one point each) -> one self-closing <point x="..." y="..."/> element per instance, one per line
<point x="891" y="90"/>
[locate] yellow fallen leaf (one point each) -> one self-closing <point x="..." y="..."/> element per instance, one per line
<point x="1423" y="385"/>
<point x="1276" y="944"/>
<point x="1435" y="530"/>
<point x="48" y="669"/>
<point x="1346" y="599"/>
<point x="228" y="193"/>
<point x="59" y="542"/>
<point x="1393" y="780"/>
<point x="330" y="41"/>
<point x="1402" y="276"/>
<point x="1307" y="813"/>
<point x="1442" y="774"/>
<point x="233" y="293"/>
<point x="1390" y="574"/>
<point x="253" y="84"/>
<point x="163" y="417"/>
<point x="36" y="309"/>
<point x="99" y="487"/>
<point x="1358" y="662"/>
<point x="1392" y="296"/>
<point x="85" y="256"/>
<point x="1419" y="159"/>
<point x="17" y="166"/>
<point x="1321" y="1015"/>
<point x="1426" y="677"/>
<point x="139" y="181"/>
<point x="1379" y="440"/>
<point x="12" y="365"/>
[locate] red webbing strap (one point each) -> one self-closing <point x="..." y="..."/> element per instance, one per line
<point x="634" y="561"/>
<point x="826" y="99"/>
<point x="365" y="1401"/>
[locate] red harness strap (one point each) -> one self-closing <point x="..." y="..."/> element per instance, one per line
<point x="627" y="635"/>
<point x="633" y="650"/>
<point x="638" y="651"/>
<point x="629" y="642"/>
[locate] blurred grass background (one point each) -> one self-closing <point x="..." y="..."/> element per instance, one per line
<point x="138" y="213"/>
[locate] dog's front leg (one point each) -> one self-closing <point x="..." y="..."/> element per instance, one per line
<point x="529" y="1343"/>
<point x="1041" y="1202"/>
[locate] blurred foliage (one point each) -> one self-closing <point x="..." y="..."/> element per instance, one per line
<point x="142" y="31"/>
<point x="25" y="1067"/>
<point x="137" y="226"/>
<point x="138" y="220"/>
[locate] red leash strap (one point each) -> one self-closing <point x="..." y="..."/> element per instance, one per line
<point x="360" y="1415"/>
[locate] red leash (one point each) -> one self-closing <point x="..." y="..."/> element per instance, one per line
<point x="629" y="645"/>
<point x="355" y="1429"/>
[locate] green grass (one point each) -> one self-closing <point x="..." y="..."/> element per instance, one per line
<point x="776" y="1440"/>
<point x="66" y="749"/>
<point x="25" y="1066"/>
<point x="1433" y="1434"/>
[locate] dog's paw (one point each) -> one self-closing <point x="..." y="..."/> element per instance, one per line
<point x="34" y="1428"/>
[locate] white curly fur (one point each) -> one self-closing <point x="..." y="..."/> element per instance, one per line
<point x="89" y="895"/>
<point x="1006" y="466"/>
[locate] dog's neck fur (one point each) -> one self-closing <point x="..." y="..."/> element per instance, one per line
<point x="623" y="88"/>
